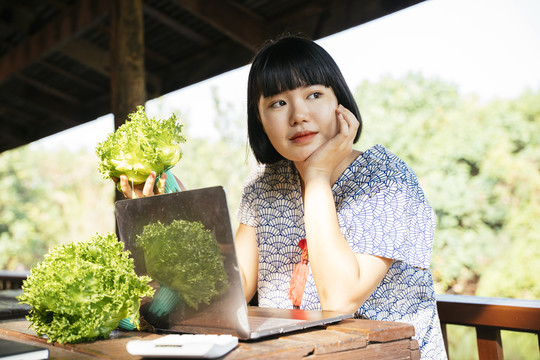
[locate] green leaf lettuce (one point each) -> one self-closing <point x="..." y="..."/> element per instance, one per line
<point x="185" y="257"/>
<point x="139" y="146"/>
<point x="81" y="291"/>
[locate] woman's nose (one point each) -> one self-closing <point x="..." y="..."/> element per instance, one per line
<point x="299" y="113"/>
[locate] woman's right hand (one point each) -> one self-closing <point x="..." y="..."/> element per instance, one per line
<point x="145" y="189"/>
<point x="325" y="160"/>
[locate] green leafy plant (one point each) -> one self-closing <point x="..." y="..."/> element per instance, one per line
<point x="141" y="145"/>
<point x="184" y="256"/>
<point x="81" y="291"/>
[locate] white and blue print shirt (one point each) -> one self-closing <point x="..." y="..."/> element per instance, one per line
<point x="381" y="210"/>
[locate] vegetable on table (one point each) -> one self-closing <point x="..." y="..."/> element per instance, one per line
<point x="139" y="146"/>
<point x="80" y="291"/>
<point x="184" y="257"/>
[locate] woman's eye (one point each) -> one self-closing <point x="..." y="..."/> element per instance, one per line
<point x="315" y="95"/>
<point x="277" y="104"/>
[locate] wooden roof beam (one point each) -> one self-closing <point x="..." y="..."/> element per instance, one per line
<point x="79" y="17"/>
<point x="188" y="71"/>
<point x="232" y="19"/>
<point x="48" y="89"/>
<point x="20" y="18"/>
<point x="5" y="109"/>
<point x="89" y="55"/>
<point x="176" y="26"/>
<point x="74" y="78"/>
<point x="66" y="112"/>
<point x="13" y="135"/>
<point x="98" y="59"/>
<point x="58" y="4"/>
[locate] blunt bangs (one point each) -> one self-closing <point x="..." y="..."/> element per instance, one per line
<point x="291" y="65"/>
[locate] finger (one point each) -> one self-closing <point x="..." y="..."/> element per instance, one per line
<point x="346" y="114"/>
<point x="350" y="118"/>
<point x="148" y="189"/>
<point x="343" y="125"/>
<point x="124" y="185"/>
<point x="342" y="109"/>
<point x="162" y="181"/>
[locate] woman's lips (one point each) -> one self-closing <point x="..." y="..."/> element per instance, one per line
<point x="302" y="136"/>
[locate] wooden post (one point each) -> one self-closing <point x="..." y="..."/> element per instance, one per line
<point x="489" y="343"/>
<point x="128" y="88"/>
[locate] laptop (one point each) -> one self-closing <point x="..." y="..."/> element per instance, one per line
<point x="184" y="242"/>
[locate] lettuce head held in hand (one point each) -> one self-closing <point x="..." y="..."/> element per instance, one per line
<point x="82" y="290"/>
<point x="139" y="146"/>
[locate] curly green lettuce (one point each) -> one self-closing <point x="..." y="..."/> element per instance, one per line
<point x="139" y="146"/>
<point x="80" y="291"/>
<point x="184" y="256"/>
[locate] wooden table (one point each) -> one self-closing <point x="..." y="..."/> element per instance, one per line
<point x="348" y="339"/>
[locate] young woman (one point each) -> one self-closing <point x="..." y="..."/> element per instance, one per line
<point x="357" y="221"/>
<point x="365" y="220"/>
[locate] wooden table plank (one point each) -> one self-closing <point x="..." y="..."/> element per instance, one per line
<point x="394" y="350"/>
<point x="375" y="331"/>
<point x="349" y="339"/>
<point x="328" y="341"/>
<point x="279" y="348"/>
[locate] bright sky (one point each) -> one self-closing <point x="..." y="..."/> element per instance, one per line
<point x="487" y="47"/>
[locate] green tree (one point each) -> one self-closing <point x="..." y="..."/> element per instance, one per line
<point x="513" y="166"/>
<point x="478" y="165"/>
<point x="48" y="198"/>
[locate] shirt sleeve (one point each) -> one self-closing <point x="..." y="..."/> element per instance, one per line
<point x="393" y="222"/>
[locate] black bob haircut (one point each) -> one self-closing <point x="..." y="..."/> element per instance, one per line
<point x="287" y="64"/>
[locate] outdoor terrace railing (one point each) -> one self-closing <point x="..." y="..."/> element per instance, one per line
<point x="489" y="316"/>
<point x="10" y="280"/>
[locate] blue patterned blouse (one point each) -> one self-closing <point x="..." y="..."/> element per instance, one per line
<point x="381" y="211"/>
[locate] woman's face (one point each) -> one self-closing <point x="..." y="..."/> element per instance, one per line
<point x="297" y="122"/>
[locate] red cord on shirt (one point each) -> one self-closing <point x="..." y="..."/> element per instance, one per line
<point x="299" y="276"/>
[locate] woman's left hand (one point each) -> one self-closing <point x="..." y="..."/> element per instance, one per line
<point x="148" y="188"/>
<point x="330" y="155"/>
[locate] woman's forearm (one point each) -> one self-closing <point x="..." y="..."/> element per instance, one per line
<point x="334" y="265"/>
<point x="248" y="259"/>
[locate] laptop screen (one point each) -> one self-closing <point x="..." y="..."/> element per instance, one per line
<point x="184" y="242"/>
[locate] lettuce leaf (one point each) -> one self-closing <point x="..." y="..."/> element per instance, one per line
<point x="185" y="257"/>
<point x="81" y="291"/>
<point x="139" y="146"/>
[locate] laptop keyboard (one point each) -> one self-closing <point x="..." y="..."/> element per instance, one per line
<point x="259" y="323"/>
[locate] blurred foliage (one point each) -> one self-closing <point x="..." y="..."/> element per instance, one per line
<point x="49" y="198"/>
<point x="479" y="165"/>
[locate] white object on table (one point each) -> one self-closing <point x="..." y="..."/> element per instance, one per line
<point x="201" y="346"/>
